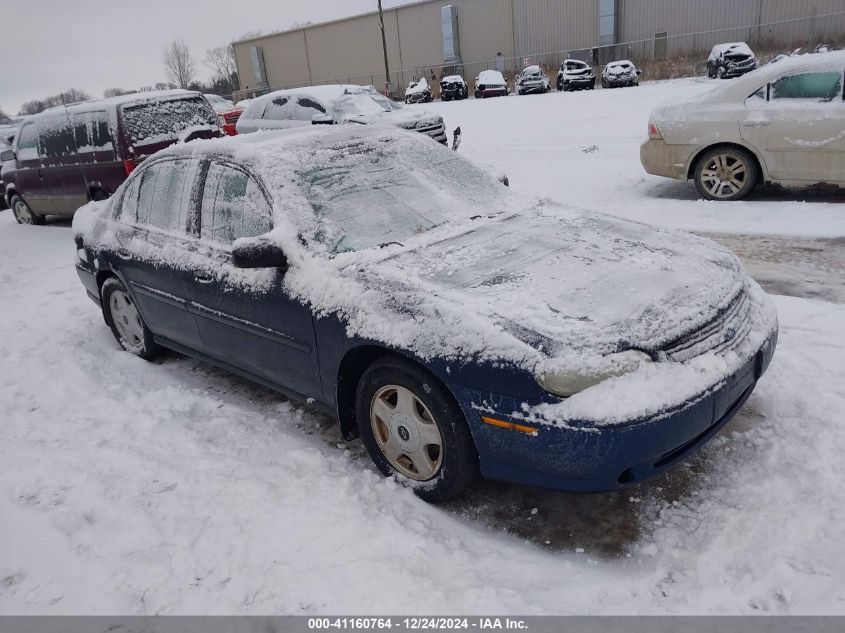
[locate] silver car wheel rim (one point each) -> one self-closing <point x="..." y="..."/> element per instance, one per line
<point x="22" y="212"/>
<point x="126" y="319"/>
<point x="724" y="175"/>
<point x="406" y="432"/>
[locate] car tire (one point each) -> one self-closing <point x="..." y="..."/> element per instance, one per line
<point x="725" y="174"/>
<point x="425" y="442"/>
<point x="98" y="195"/>
<point x="23" y="214"/>
<point x="124" y="320"/>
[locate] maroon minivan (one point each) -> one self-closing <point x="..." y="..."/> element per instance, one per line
<point x="68" y="155"/>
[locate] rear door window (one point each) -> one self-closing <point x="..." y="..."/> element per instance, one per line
<point x="56" y="144"/>
<point x="164" y="122"/>
<point x="279" y="109"/>
<point x="813" y="87"/>
<point x="161" y="195"/>
<point x="233" y="206"/>
<point x="307" y="108"/>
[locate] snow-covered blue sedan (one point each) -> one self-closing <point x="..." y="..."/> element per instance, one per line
<point x="455" y="325"/>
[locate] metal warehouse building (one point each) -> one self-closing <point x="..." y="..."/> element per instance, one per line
<point x="437" y="36"/>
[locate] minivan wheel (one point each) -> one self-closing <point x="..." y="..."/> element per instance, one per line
<point x="414" y="430"/>
<point x="23" y="214"/>
<point x="125" y="321"/>
<point x="725" y="173"/>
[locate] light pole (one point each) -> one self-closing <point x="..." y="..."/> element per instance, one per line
<point x="384" y="48"/>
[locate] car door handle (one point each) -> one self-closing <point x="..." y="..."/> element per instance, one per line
<point x="123" y="253"/>
<point x="203" y="278"/>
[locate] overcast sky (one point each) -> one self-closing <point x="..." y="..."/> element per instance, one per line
<point x="51" y="45"/>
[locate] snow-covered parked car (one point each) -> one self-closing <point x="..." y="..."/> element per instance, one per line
<point x="532" y="79"/>
<point x="453" y="323"/>
<point x="620" y="74"/>
<point x="334" y="105"/>
<point x="783" y="123"/>
<point x="490" y="83"/>
<point x="575" y="75"/>
<point x="730" y="60"/>
<point x="453" y="88"/>
<point x="418" y="91"/>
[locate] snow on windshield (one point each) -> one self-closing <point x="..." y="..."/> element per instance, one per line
<point x="370" y="191"/>
<point x="161" y="121"/>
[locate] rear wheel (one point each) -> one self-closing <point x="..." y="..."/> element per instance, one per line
<point x="23" y="214"/>
<point x="125" y="321"/>
<point x="413" y="429"/>
<point x="725" y="173"/>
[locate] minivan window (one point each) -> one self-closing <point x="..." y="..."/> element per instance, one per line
<point x="27" y="143"/>
<point x="91" y="132"/>
<point x="817" y="87"/>
<point x="163" y="121"/>
<point x="233" y="206"/>
<point x="164" y="195"/>
<point x="55" y="138"/>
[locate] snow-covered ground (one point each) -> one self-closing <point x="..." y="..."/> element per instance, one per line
<point x="174" y="487"/>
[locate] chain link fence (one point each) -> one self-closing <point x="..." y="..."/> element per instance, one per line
<point x="664" y="56"/>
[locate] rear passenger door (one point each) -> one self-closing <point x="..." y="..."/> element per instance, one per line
<point x="246" y="318"/>
<point x="96" y="149"/>
<point x="61" y="169"/>
<point x="153" y="247"/>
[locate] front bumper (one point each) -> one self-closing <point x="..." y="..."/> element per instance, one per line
<point x="599" y="458"/>
<point x="737" y="70"/>
<point x="492" y="92"/>
<point x="621" y="81"/>
<point x="532" y="87"/>
<point x="659" y="158"/>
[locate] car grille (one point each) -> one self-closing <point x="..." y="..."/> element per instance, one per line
<point x="437" y="131"/>
<point x="724" y="332"/>
<point x="232" y="117"/>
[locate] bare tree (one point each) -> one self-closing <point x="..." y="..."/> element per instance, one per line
<point x="72" y="95"/>
<point x="179" y="63"/>
<point x="221" y="61"/>
<point x="116" y="92"/>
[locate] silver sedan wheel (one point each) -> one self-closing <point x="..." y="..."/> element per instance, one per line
<point x="22" y="212"/>
<point x="724" y="175"/>
<point x="126" y="319"/>
<point x="406" y="432"/>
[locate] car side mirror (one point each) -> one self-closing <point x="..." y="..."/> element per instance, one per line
<point x="639" y="72"/>
<point x="7" y="154"/>
<point x="258" y="252"/>
<point x="322" y="119"/>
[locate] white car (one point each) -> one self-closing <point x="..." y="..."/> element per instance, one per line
<point x="783" y="123"/>
<point x="620" y="74"/>
<point x="532" y="79"/>
<point x="575" y="74"/>
<point x="334" y="105"/>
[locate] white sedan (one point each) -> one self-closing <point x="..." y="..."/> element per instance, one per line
<point x="783" y="123"/>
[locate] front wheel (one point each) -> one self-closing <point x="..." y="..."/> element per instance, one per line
<point x="725" y="173"/>
<point x="413" y="429"/>
<point x="23" y="214"/>
<point x="125" y="321"/>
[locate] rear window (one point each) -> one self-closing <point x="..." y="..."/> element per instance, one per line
<point x="163" y="121"/>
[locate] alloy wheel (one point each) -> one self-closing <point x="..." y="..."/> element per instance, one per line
<point x="22" y="212"/>
<point x="406" y="432"/>
<point x="724" y="175"/>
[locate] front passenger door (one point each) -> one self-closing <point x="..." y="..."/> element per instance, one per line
<point x="246" y="318"/>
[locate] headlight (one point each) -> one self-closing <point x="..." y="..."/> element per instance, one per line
<point x="564" y="381"/>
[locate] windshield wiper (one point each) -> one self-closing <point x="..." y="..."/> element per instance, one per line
<point x="382" y="245"/>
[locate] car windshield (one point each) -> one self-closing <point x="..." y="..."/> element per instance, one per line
<point x="361" y="104"/>
<point x="375" y="190"/>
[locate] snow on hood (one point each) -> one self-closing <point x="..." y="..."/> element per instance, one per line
<point x="453" y="79"/>
<point x="416" y="87"/>
<point x="732" y="48"/>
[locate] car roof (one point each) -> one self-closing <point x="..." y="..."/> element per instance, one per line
<point x="127" y="99"/>
<point x="742" y="87"/>
<point x="531" y="69"/>
<point x="620" y="62"/>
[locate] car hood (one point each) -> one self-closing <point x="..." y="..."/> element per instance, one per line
<point x="561" y="280"/>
